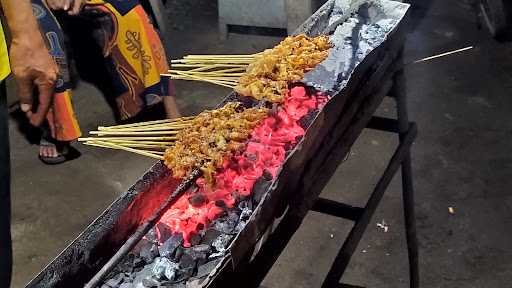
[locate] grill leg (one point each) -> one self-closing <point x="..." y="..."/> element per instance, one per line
<point x="407" y="186"/>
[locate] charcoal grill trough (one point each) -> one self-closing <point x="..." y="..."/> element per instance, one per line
<point x="368" y="37"/>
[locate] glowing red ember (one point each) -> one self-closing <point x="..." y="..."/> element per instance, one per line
<point x="266" y="150"/>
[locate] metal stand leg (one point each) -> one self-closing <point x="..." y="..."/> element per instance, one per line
<point x="223" y="31"/>
<point x="407" y="185"/>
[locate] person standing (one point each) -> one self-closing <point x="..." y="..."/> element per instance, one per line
<point x="33" y="68"/>
<point x="111" y="38"/>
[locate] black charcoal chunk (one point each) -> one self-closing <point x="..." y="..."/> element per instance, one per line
<point x="206" y="269"/>
<point x="172" y="284"/>
<point x="197" y="200"/>
<point x="267" y="175"/>
<point x="195" y="238"/>
<point x="150" y="283"/>
<point x="260" y="188"/>
<point x="148" y="253"/>
<point x="307" y="119"/>
<point x="145" y="273"/>
<point x="171" y="271"/>
<point x="194" y="283"/>
<point x="227" y="223"/>
<point x="178" y="254"/>
<point x="220" y="203"/>
<point x="170" y="245"/>
<point x="138" y="262"/>
<point x="115" y="281"/>
<point x="199" y="256"/>
<point x="164" y="231"/>
<point x="164" y="269"/>
<point x="159" y="266"/>
<point x="186" y="273"/>
<point x="221" y="243"/>
<point x="246" y="204"/>
<point x="202" y="248"/>
<point x="151" y="236"/>
<point x="187" y="261"/>
<point x="210" y="235"/>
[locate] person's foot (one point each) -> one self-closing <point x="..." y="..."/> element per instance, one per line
<point x="47" y="149"/>
<point x="55" y="152"/>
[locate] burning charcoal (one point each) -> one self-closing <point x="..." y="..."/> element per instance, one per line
<point x="126" y="285"/>
<point x="209" y="236"/>
<point x="169" y="247"/>
<point x="197" y="200"/>
<point x="251" y="156"/>
<point x="164" y="231"/>
<point x="221" y="242"/>
<point x="205" y="269"/>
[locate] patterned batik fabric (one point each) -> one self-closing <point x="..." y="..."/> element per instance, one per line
<point x="132" y="54"/>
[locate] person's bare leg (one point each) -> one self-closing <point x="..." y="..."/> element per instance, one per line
<point x="171" y="109"/>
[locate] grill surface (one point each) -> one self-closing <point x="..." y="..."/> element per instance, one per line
<point x="357" y="66"/>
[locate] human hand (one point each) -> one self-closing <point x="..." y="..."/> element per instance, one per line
<point x="33" y="66"/>
<point x="73" y="7"/>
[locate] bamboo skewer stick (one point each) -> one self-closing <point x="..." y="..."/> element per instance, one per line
<point x="150" y="128"/>
<point x="120" y="141"/>
<point x="182" y="119"/>
<point x="170" y="138"/>
<point x="129" y="133"/>
<point x="119" y="147"/>
<point x="137" y="145"/>
<point x="195" y="78"/>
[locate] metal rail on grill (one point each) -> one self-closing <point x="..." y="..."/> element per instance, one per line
<point x="143" y="229"/>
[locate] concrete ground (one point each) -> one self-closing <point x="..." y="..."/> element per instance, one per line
<point x="461" y="159"/>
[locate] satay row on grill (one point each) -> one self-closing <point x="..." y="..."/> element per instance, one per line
<point x="267" y="78"/>
<point x="213" y="136"/>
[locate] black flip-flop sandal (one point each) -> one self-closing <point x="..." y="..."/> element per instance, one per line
<point x="65" y="152"/>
